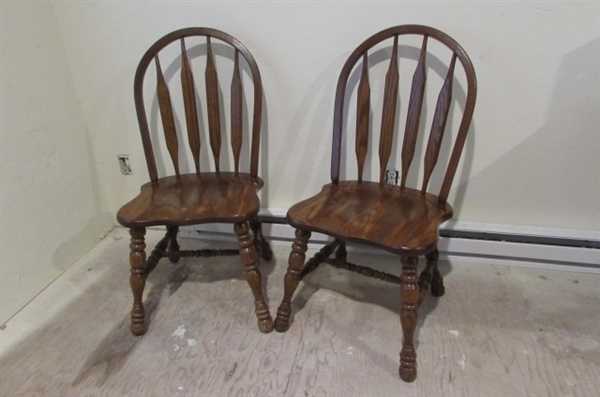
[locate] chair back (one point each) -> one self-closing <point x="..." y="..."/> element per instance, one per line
<point x="390" y="106"/>
<point x="195" y="110"/>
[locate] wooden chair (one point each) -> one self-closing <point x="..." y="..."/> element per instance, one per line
<point x="398" y="219"/>
<point x="200" y="196"/>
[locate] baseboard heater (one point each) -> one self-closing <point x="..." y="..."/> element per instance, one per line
<point x="526" y="239"/>
<point x="554" y="249"/>
<point x="489" y="236"/>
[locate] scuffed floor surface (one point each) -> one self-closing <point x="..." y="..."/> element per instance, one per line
<point x="498" y="331"/>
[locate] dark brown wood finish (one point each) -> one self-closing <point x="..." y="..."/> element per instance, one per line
<point x="388" y="117"/>
<point x="212" y="97"/>
<point x="166" y="114"/>
<point x="399" y="219"/>
<point x="438" y="126"/>
<point x="191" y="112"/>
<point x="362" y="117"/>
<point x="195" y="198"/>
<point x="292" y="278"/>
<point x="236" y="113"/>
<point x="140" y="106"/>
<point x="414" y="114"/>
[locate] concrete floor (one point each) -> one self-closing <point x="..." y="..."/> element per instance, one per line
<point x="498" y="331"/>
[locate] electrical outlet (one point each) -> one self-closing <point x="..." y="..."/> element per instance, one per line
<point x="391" y="177"/>
<point x="124" y="164"/>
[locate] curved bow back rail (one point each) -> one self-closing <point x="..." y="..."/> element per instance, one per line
<point x="212" y="102"/>
<point x="389" y="119"/>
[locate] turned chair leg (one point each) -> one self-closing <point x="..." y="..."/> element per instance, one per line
<point x="341" y="253"/>
<point x="437" y="281"/>
<point x="291" y="280"/>
<point x="137" y="260"/>
<point x="253" y="276"/>
<point x="173" y="250"/>
<point x="261" y="244"/>
<point x="409" y="294"/>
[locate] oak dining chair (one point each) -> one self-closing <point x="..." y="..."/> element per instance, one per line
<point x="393" y="217"/>
<point x="198" y="190"/>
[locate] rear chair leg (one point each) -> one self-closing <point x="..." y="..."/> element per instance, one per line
<point x="253" y="276"/>
<point x="291" y="280"/>
<point x="409" y="294"/>
<point x="341" y="253"/>
<point x="173" y="250"/>
<point x="437" y="282"/>
<point x="262" y="245"/>
<point x="137" y="280"/>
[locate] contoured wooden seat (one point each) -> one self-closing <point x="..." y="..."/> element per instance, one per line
<point x="395" y="218"/>
<point x="203" y="195"/>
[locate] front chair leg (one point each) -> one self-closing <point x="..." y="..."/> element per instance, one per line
<point x="291" y="280"/>
<point x="253" y="276"/>
<point x="409" y="294"/>
<point x="137" y="280"/>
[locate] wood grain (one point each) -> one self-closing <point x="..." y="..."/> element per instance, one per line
<point x="214" y="113"/>
<point x="413" y="118"/>
<point x="192" y="199"/>
<point x="166" y="114"/>
<point x="399" y="221"/>
<point x="363" y="109"/>
<point x="212" y="98"/>
<point x="236" y="113"/>
<point x="189" y="101"/>
<point x="438" y="125"/>
<point x="388" y="117"/>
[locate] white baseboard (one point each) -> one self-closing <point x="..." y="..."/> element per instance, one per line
<point x="521" y="254"/>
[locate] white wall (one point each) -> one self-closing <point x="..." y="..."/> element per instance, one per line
<point x="533" y="159"/>
<point x="50" y="211"/>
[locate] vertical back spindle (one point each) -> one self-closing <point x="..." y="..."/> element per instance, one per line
<point x="362" y="117"/>
<point x="438" y="125"/>
<point x="212" y="98"/>
<point x="166" y="114"/>
<point x="236" y="113"/>
<point x="414" y="113"/>
<point x="189" y="101"/>
<point x="388" y="117"/>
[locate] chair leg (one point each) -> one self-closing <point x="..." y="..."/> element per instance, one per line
<point x="291" y="280"/>
<point x="341" y="253"/>
<point x="437" y="281"/>
<point x="265" y="248"/>
<point x="173" y="250"/>
<point x="409" y="294"/>
<point x="253" y="276"/>
<point x="137" y="260"/>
